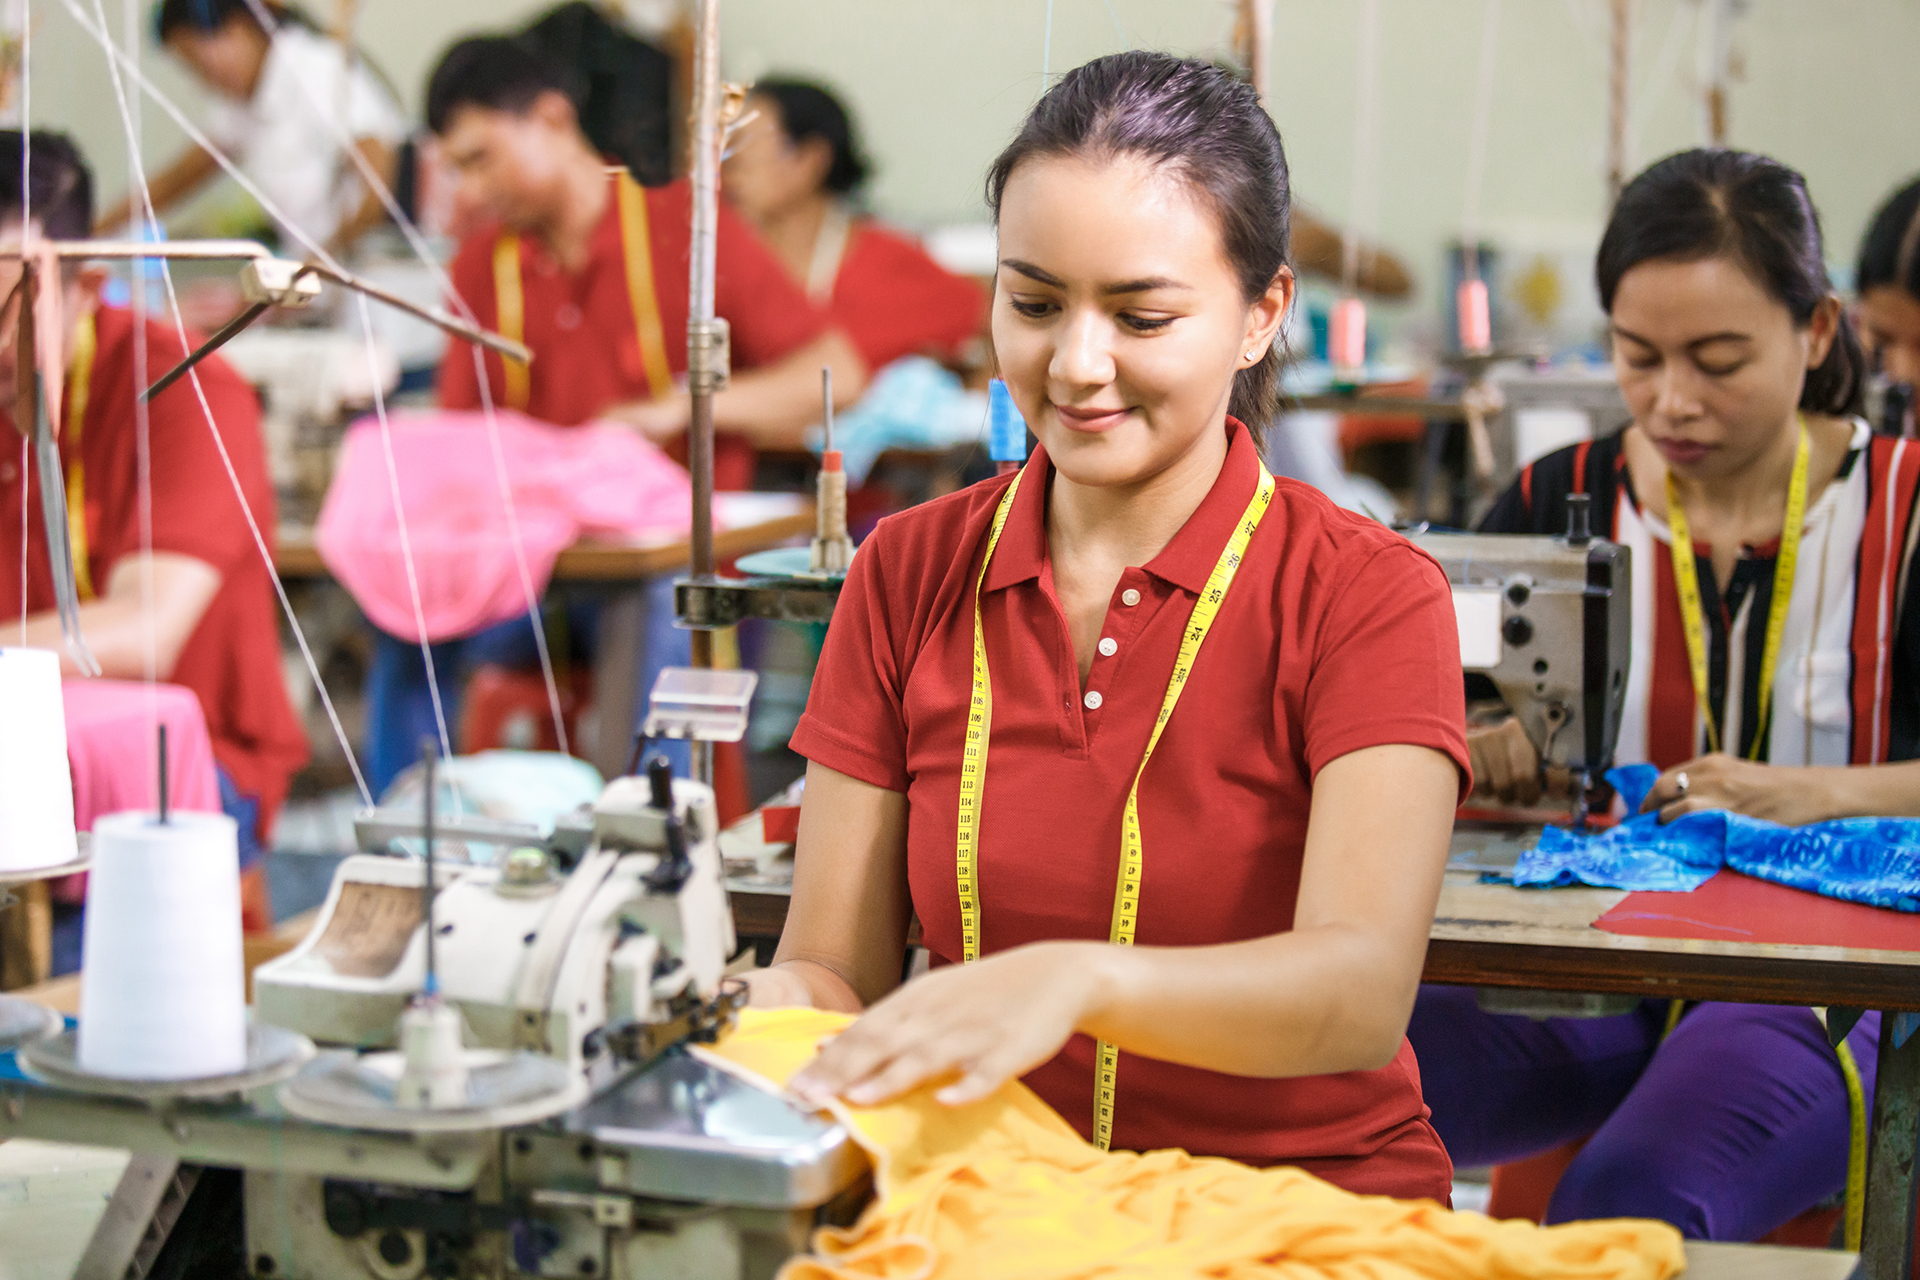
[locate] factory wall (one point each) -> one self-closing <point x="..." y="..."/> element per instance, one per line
<point x="1828" y="85"/>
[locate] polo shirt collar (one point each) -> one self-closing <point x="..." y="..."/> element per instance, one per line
<point x="1187" y="561"/>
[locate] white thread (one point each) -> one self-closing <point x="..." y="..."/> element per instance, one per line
<point x="1046" y="50"/>
<point x="1362" y="211"/>
<point x="400" y="523"/>
<point x="343" y="138"/>
<point x="1477" y="141"/>
<point x="206" y="409"/>
<point x="1118" y="29"/>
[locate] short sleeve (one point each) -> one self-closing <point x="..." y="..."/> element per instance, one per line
<point x="769" y="314"/>
<point x="195" y="511"/>
<point x="854" y="722"/>
<point x="1386" y="665"/>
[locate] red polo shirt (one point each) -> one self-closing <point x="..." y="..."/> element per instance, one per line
<point x="580" y="327"/>
<point x="892" y="300"/>
<point x="1336" y="635"/>
<point x="232" y="660"/>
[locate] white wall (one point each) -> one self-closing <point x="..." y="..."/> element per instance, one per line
<point x="939" y="85"/>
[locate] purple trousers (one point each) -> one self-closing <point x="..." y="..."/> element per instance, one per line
<point x="1733" y="1125"/>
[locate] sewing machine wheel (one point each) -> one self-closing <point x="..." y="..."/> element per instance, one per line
<point x="503" y="1089"/>
<point x="273" y="1054"/>
<point x="23" y="1022"/>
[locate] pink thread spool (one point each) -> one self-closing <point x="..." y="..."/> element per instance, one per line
<point x="1347" y="335"/>
<point x="1474" y="316"/>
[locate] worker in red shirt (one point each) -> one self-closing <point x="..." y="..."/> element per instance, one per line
<point x="792" y="170"/>
<point x="1179" y="873"/>
<point x="558" y="264"/>
<point x="590" y="271"/>
<point x="211" y="618"/>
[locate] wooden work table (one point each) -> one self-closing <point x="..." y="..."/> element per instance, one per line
<point x="618" y="572"/>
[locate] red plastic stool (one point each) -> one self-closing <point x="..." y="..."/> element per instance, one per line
<point x="504" y="708"/>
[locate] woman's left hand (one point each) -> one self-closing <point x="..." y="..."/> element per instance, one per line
<point x="969" y="1028"/>
<point x="1720" y="781"/>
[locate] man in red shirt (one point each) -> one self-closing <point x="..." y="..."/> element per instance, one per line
<point x="590" y="270"/>
<point x="607" y="326"/>
<point x="211" y="616"/>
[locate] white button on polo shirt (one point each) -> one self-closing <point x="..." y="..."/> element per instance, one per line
<point x="1092" y="699"/>
<point x="1129" y="596"/>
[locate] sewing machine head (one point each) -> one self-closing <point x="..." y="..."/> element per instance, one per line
<point x="1547" y="620"/>
<point x="600" y="942"/>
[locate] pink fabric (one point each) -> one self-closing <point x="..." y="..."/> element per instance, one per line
<point x="110" y="748"/>
<point x="599" y="480"/>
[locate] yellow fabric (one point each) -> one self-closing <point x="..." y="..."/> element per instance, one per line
<point x="1005" y="1188"/>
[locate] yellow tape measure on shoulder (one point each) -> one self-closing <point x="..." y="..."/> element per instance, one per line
<point x="973" y="766"/>
<point x="1686" y="580"/>
<point x="79" y="392"/>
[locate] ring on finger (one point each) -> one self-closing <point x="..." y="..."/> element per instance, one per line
<point x="1681" y="782"/>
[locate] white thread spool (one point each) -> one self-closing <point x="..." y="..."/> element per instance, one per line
<point x="163" y="985"/>
<point x="36" y="789"/>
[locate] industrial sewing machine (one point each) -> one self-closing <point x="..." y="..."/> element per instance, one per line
<point x="1548" y="621"/>
<point x="582" y="1138"/>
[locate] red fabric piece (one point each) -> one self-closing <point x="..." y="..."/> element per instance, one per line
<point x="893" y="300"/>
<point x="579" y="324"/>
<point x="1336" y="635"/>
<point x="595" y="480"/>
<point x="780" y="824"/>
<point x="1733" y="907"/>
<point x="232" y="660"/>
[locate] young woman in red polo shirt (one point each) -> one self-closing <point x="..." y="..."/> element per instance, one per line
<point x="1216" y="718"/>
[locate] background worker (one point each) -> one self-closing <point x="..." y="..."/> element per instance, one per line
<point x="1744" y="380"/>
<point x="278" y="98"/>
<point x="794" y="172"/>
<point x="590" y="271"/>
<point x="203" y="596"/>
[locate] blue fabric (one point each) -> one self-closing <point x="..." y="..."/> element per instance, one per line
<point x="245" y="812"/>
<point x="1871" y="860"/>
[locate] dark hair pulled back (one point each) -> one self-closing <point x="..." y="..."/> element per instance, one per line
<point x="1890" y="253"/>
<point x="1209" y="128"/>
<point x="59" y="190"/>
<point x="1756" y="212"/>
<point x="808" y="110"/>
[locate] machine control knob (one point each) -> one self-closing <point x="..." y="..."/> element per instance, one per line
<point x="1517" y="630"/>
<point x="1519" y="591"/>
<point x="526" y="865"/>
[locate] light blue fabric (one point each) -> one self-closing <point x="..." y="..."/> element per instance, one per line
<point x="913" y="403"/>
<point x="1870" y="860"/>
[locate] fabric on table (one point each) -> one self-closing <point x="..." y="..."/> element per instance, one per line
<point x="1005" y="1187"/>
<point x="1743" y="909"/>
<point x="567" y="483"/>
<point x="110" y="750"/>
<point x="111" y="743"/>
<point x="1871" y="860"/>
<point x="1733" y="1125"/>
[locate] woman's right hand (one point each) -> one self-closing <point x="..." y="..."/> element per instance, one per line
<point x="1505" y="765"/>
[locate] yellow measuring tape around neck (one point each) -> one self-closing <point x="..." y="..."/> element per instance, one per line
<point x="79" y="391"/>
<point x="973" y="765"/>
<point x="636" y="246"/>
<point x="1686" y="579"/>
